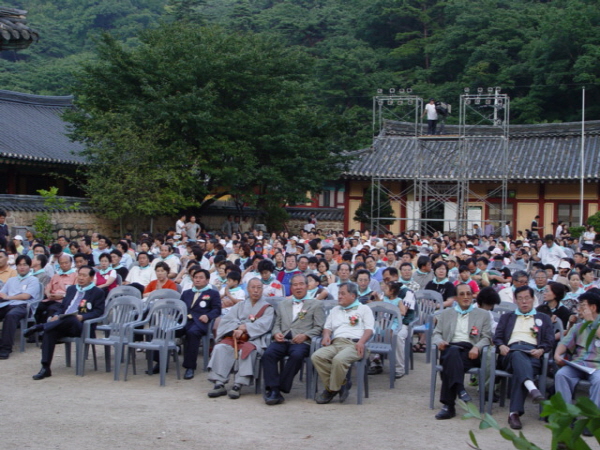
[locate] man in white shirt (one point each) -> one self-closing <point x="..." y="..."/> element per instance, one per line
<point x="432" y="116"/>
<point x="551" y="253"/>
<point x="347" y="330"/>
<point x="142" y="274"/>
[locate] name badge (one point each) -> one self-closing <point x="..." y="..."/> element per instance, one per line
<point x="89" y="305"/>
<point x="202" y="304"/>
<point x="538" y="322"/>
<point x="597" y="343"/>
<point x="24" y="287"/>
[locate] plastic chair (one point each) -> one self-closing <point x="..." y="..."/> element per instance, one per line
<point x="506" y="376"/>
<point x="119" y="291"/>
<point x="160" y="294"/>
<point x="507" y="305"/>
<point x="165" y="317"/>
<point x="480" y="372"/>
<point x="121" y="313"/>
<point x="385" y="338"/>
<point x="29" y="319"/>
<point x="430" y="302"/>
<point x="362" y="378"/>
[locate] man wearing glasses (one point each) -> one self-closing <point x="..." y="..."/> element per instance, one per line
<point x="460" y="334"/>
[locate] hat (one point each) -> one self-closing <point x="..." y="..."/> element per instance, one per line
<point x="19" y="237"/>
<point x="451" y="258"/>
<point x="413" y="248"/>
<point x="201" y="240"/>
<point x="425" y="241"/>
<point x="295" y="238"/>
<point x="357" y="234"/>
<point x="564" y="265"/>
<point x="526" y="244"/>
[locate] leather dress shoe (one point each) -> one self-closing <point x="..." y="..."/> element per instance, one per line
<point x="345" y="391"/>
<point x="537" y="397"/>
<point x="464" y="396"/>
<point x="4" y="355"/>
<point x="325" y="397"/>
<point x="375" y="370"/>
<point x="189" y="374"/>
<point x="447" y="412"/>
<point x="274" y="398"/>
<point x="514" y="421"/>
<point x="44" y="372"/>
<point x="32" y="330"/>
<point x="155" y="370"/>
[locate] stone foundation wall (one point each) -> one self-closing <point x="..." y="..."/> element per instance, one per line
<point x="295" y="226"/>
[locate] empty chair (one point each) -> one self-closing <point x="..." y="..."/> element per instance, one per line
<point x="121" y="313"/>
<point x="429" y="302"/>
<point x="385" y="337"/>
<point x="165" y="317"/>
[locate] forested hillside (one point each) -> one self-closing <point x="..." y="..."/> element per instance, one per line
<point x="540" y="52"/>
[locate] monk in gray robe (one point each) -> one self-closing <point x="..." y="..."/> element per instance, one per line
<point x="244" y="328"/>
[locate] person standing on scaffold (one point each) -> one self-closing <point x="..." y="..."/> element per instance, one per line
<point x="432" y="116"/>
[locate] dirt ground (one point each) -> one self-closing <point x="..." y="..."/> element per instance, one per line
<point x="90" y="412"/>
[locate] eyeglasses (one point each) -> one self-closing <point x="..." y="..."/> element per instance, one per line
<point x="465" y="294"/>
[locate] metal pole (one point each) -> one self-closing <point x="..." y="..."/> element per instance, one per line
<point x="582" y="155"/>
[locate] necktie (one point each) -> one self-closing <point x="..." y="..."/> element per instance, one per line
<point x="75" y="303"/>
<point x="196" y="296"/>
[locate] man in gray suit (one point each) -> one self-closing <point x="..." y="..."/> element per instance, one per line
<point x="460" y="334"/>
<point x="298" y="319"/>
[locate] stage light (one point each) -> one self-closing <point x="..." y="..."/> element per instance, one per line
<point x="479" y="90"/>
<point x="490" y="90"/>
<point x="401" y="91"/>
<point x="390" y="102"/>
<point x="380" y="102"/>
<point x="392" y="90"/>
<point x="409" y="91"/>
<point x="380" y="91"/>
<point x="467" y="90"/>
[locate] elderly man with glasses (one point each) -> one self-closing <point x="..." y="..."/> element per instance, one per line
<point x="460" y="334"/>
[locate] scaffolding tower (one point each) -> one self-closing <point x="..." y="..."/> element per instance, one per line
<point x="483" y="120"/>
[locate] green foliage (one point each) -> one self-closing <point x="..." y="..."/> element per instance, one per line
<point x="374" y="206"/>
<point x="193" y="114"/>
<point x="576" y="232"/>
<point x="594" y="221"/>
<point x="276" y="217"/>
<point x="561" y="415"/>
<point x="42" y="222"/>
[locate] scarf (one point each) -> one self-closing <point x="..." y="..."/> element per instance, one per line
<point x="27" y="275"/>
<point x="68" y="272"/>
<point x="298" y="300"/>
<point x="104" y="271"/>
<point x="530" y="313"/>
<point x="196" y="290"/>
<point x="367" y="292"/>
<point x="459" y="310"/>
<point x="269" y="281"/>
<point x="444" y="281"/>
<point x="87" y="288"/>
<point x="422" y="273"/>
<point x="311" y="292"/>
<point x="37" y="272"/>
<point x="351" y="306"/>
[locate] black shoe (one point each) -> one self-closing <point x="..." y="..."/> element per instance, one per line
<point x="32" y="330"/>
<point x="464" y="396"/>
<point x="4" y="355"/>
<point x="514" y="421"/>
<point x="325" y="397"/>
<point x="375" y="370"/>
<point x="537" y="397"/>
<point x="345" y="391"/>
<point x="155" y="370"/>
<point x="189" y="374"/>
<point x="274" y="398"/>
<point x="586" y="432"/>
<point x="447" y="412"/>
<point x="44" y="372"/>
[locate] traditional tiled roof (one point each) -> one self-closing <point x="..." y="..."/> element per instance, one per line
<point x="324" y="214"/>
<point x="15" y="34"/>
<point x="31" y="129"/>
<point x="35" y="203"/>
<point x="535" y="152"/>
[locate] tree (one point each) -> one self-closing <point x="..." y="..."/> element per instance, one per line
<point x="194" y="114"/>
<point x="375" y="204"/>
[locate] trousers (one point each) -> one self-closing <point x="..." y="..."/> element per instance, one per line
<point x="332" y="362"/>
<point x="271" y="359"/>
